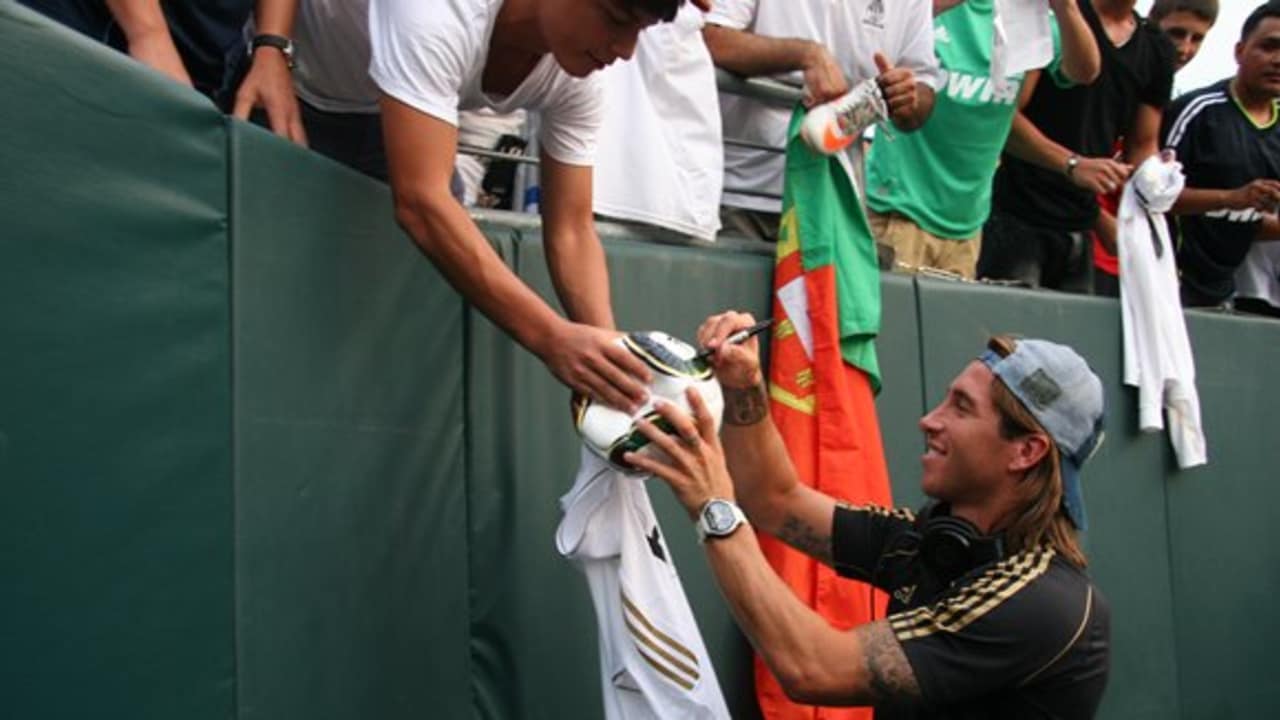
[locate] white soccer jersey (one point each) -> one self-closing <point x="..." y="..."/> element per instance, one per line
<point x="653" y="664"/>
<point x="1157" y="352"/>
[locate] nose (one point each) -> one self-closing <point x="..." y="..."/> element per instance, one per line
<point x="930" y="424"/>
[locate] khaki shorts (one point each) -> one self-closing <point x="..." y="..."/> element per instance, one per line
<point x="915" y="249"/>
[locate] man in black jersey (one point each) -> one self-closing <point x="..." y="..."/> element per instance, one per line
<point x="991" y="614"/>
<point x="1060" y="154"/>
<point x="1225" y="136"/>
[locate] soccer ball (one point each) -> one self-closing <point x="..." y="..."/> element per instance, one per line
<point x="610" y="433"/>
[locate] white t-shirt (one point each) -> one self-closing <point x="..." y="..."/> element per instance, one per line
<point x="853" y="30"/>
<point x="661" y="156"/>
<point x="653" y="664"/>
<point x="1259" y="275"/>
<point x="332" y="37"/>
<point x="430" y="55"/>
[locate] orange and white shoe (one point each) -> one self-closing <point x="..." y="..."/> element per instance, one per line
<point x="833" y="126"/>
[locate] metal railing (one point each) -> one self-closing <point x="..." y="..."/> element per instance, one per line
<point x="766" y="90"/>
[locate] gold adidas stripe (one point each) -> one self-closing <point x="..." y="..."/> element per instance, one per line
<point x="660" y="658"/>
<point x="643" y="641"/>
<point x="998" y="577"/>
<point x="664" y="671"/>
<point x="993" y="588"/>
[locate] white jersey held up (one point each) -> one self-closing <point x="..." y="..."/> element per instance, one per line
<point x="653" y="664"/>
<point x="1157" y="352"/>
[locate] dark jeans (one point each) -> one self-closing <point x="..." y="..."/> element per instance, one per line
<point x="353" y="139"/>
<point x="1039" y="257"/>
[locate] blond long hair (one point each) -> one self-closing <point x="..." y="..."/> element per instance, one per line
<point x="1037" y="517"/>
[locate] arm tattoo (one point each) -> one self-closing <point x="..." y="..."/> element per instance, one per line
<point x="745" y="406"/>
<point x="805" y="538"/>
<point x="891" y="680"/>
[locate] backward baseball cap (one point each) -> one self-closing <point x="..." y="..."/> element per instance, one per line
<point x="1057" y="387"/>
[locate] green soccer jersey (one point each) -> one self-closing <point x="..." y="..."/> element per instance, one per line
<point x="940" y="175"/>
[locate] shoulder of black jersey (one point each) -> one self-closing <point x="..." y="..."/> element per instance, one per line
<point x="1030" y="587"/>
<point x="1192" y="107"/>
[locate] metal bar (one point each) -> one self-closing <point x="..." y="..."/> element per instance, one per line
<point x="767" y="90"/>
<point x="473" y="150"/>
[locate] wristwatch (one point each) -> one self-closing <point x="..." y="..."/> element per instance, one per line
<point x="719" y="518"/>
<point x="279" y="42"/>
<point x="1072" y="163"/>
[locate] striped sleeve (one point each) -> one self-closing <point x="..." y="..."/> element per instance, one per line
<point x="860" y="536"/>
<point x="1001" y="629"/>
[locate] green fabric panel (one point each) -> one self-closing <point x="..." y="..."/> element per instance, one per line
<point x="115" y="493"/>
<point x="832" y="230"/>
<point x="535" y="632"/>
<point x="900" y="401"/>
<point x="1225" y="577"/>
<point x="1123" y="484"/>
<point x="350" y="480"/>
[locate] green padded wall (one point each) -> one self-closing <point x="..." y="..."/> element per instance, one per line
<point x="534" y="629"/>
<point x="901" y="399"/>
<point x="115" y="510"/>
<point x="1123" y="484"/>
<point x="1226" y="568"/>
<point x="351" y="578"/>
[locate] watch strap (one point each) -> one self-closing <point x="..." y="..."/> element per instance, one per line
<point x="279" y="42"/>
<point x="706" y="532"/>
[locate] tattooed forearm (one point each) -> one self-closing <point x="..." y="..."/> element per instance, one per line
<point x="890" y="677"/>
<point x="745" y="406"/>
<point x="805" y="538"/>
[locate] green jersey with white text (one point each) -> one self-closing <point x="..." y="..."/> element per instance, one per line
<point x="939" y="176"/>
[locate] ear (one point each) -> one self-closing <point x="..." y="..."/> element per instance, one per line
<point x="1239" y="51"/>
<point x="1028" y="451"/>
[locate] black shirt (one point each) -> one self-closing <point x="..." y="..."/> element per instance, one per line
<point x="1221" y="148"/>
<point x="1025" y="637"/>
<point x="209" y="35"/>
<point x="1087" y="119"/>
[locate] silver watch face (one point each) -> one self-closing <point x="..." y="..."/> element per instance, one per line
<point x="720" y="517"/>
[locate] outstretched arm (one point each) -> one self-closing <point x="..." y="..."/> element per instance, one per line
<point x="420" y="155"/>
<point x="574" y="254"/>
<point x="814" y="662"/>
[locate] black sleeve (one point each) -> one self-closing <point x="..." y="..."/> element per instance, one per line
<point x="1003" y="628"/>
<point x="859" y="536"/>
<point x="1160" y="87"/>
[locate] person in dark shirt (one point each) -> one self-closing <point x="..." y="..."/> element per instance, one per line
<point x="202" y="44"/>
<point x="991" y="614"/>
<point x="1059" y="156"/>
<point x="1225" y="136"/>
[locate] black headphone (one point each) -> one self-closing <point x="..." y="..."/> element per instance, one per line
<point x="950" y="546"/>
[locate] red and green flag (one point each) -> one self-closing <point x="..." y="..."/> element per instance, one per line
<point x="823" y="377"/>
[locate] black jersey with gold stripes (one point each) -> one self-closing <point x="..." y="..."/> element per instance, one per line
<point x="1026" y="636"/>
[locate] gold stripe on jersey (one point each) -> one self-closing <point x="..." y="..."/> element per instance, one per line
<point x="663" y="670"/>
<point x="999" y="583"/>
<point x="672" y="664"/>
<point x="895" y="512"/>
<point x="651" y="642"/>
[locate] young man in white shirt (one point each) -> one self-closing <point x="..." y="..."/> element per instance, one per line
<point x="829" y="47"/>
<point x="432" y="58"/>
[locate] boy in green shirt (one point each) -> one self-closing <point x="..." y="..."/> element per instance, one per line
<point x="929" y="192"/>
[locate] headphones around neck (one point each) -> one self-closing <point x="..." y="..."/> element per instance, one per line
<point x="950" y="546"/>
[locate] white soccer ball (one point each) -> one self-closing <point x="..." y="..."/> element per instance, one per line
<point x="610" y="433"/>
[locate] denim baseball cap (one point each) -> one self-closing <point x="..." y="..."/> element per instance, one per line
<point x="1057" y="387"/>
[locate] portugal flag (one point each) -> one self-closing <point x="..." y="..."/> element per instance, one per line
<point x="823" y="377"/>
